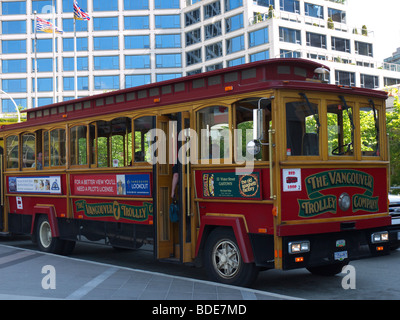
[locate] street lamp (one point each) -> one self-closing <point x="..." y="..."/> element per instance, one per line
<point x="16" y="107"/>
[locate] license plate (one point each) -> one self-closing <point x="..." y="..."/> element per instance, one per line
<point x="341" y="255"/>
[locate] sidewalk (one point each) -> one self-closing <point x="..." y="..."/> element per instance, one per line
<point x="32" y="275"/>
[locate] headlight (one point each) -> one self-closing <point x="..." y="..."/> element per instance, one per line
<point x="378" y="237"/>
<point x="299" y="246"/>
<point x="344" y="201"/>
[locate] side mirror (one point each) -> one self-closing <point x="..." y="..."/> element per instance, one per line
<point x="253" y="147"/>
<point x="258" y="124"/>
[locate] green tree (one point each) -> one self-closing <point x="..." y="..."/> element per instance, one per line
<point x="393" y="129"/>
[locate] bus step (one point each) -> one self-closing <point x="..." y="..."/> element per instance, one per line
<point x="5" y="234"/>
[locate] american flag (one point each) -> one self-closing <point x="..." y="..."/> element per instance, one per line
<point x="46" y="26"/>
<point x="80" y="14"/>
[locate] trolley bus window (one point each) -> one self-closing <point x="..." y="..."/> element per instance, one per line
<point x="302" y="128"/>
<point x="213" y="125"/>
<point x="78" y="145"/>
<point x="141" y="144"/>
<point x="340" y="130"/>
<point x="121" y="141"/>
<point x="244" y="124"/>
<point x="28" y="150"/>
<point x="369" y="127"/>
<point x="57" y="148"/>
<point x="114" y="142"/>
<point x="12" y="149"/>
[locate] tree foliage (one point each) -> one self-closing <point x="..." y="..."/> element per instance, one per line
<point x="393" y="129"/>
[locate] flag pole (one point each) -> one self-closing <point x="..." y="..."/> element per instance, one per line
<point x="54" y="52"/>
<point x="75" y="62"/>
<point x="35" y="65"/>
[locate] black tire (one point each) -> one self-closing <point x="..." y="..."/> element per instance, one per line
<point x="328" y="270"/>
<point x="223" y="260"/>
<point x="46" y="242"/>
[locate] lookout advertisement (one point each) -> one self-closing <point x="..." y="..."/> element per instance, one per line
<point x="319" y="202"/>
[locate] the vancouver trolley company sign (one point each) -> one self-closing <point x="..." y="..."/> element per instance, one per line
<point x="318" y="185"/>
<point x="115" y="209"/>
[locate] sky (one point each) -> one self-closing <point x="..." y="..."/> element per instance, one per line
<point x="380" y="16"/>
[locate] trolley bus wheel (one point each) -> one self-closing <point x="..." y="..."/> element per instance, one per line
<point x="223" y="261"/>
<point x="45" y="240"/>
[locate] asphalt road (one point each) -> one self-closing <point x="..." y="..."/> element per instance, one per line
<point x="370" y="279"/>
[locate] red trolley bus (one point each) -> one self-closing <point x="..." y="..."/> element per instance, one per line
<point x="275" y="169"/>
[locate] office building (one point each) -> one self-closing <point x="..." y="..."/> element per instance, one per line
<point x="133" y="42"/>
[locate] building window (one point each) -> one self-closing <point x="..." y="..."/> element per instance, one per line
<point x="193" y="57"/>
<point x="14" y="66"/>
<point x="43" y="65"/>
<point x="105" y="5"/>
<point x="289" y="54"/>
<point x="214" y="51"/>
<point x="263" y="55"/>
<point x="67" y="5"/>
<point x="168" y="40"/>
<point x="215" y="67"/>
<point x="390" y="81"/>
<point x="8" y="106"/>
<point x="68" y="25"/>
<point x="82" y="64"/>
<point x="81" y="44"/>
<point x="314" y="10"/>
<point x="168" y="60"/>
<point x="192" y="17"/>
<point x="137" y="42"/>
<point x="43" y="84"/>
<point x="345" y="78"/>
<point x="234" y="23"/>
<point x="106" y="63"/>
<point x="13" y="46"/>
<point x="212" y="30"/>
<point x="168" y="21"/>
<point x="105" y="23"/>
<point x="364" y="49"/>
<point x="43" y="6"/>
<point x="137" y="80"/>
<point x="166" y="4"/>
<point x="236" y="62"/>
<point x="106" y="82"/>
<point x="136" y="4"/>
<point x="233" y="4"/>
<point x="235" y="44"/>
<point x="258" y="37"/>
<point x="13" y="27"/>
<point x="68" y="83"/>
<point x="337" y="15"/>
<point x="9" y="8"/>
<point x="290" y="5"/>
<point x="13" y="85"/>
<point x="316" y="40"/>
<point x="193" y="37"/>
<point x="105" y="43"/>
<point x="136" y="22"/>
<point x="369" y="81"/>
<point x="340" y="44"/>
<point x="289" y="35"/>
<point x="137" y="62"/>
<point x="212" y="10"/>
<point x="167" y="76"/>
<point x="264" y="3"/>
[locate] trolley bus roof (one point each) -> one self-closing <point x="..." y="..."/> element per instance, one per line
<point x="288" y="73"/>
